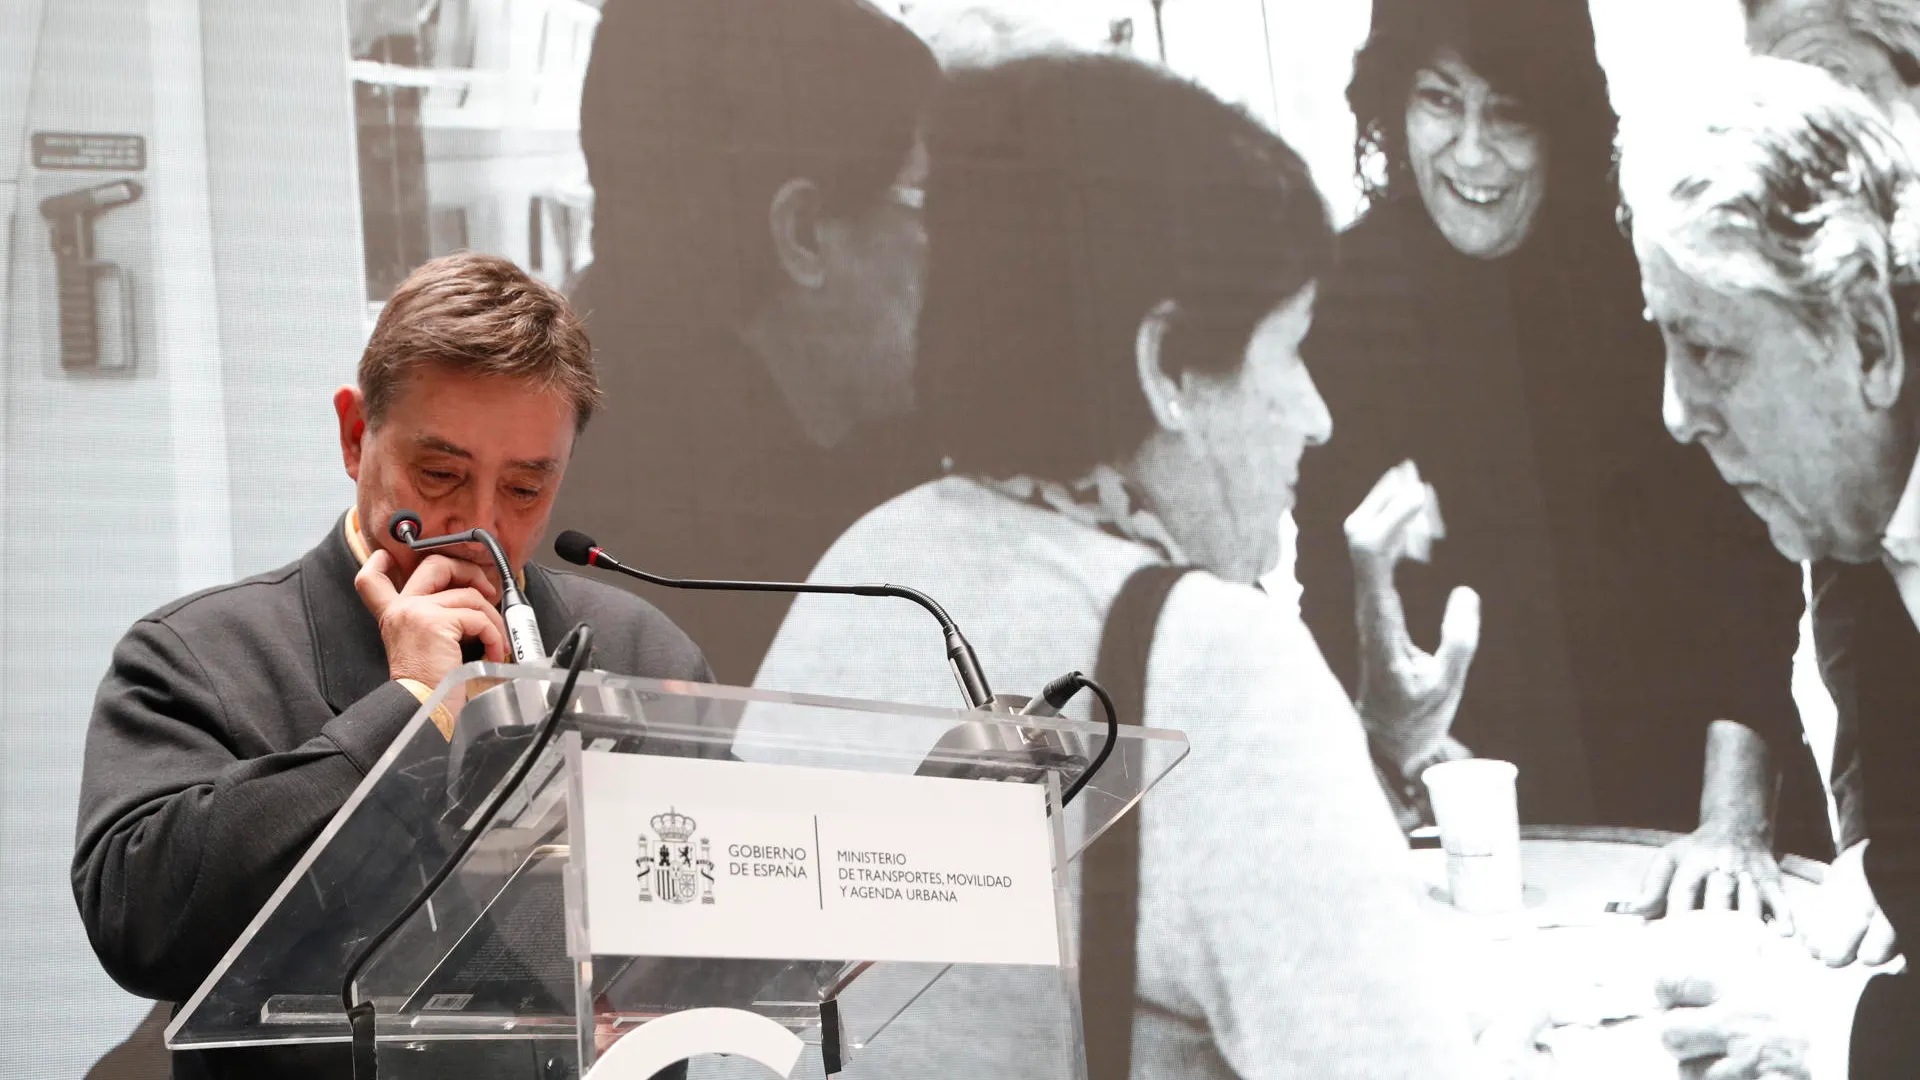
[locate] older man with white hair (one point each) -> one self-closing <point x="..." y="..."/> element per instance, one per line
<point x="1777" y="223"/>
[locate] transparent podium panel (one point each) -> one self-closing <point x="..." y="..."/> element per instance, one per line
<point x="496" y="967"/>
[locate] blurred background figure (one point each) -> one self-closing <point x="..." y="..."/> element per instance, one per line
<point x="758" y="174"/>
<point x="466" y="119"/>
<point x="1121" y="272"/>
<point x="964" y="33"/>
<point x="1485" y="323"/>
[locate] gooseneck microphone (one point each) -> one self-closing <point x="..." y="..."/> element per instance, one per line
<point x="579" y="549"/>
<point x="523" y="629"/>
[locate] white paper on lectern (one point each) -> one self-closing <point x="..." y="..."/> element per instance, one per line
<point x="730" y="859"/>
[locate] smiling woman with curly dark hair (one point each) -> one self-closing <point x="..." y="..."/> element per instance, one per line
<point x="1540" y="69"/>
<point x="1485" y="322"/>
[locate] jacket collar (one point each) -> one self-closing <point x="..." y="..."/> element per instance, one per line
<point x="347" y="651"/>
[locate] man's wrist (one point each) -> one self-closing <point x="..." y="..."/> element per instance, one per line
<point x="1736" y="826"/>
<point x="1388" y="746"/>
<point x="1410" y="761"/>
<point x="1736" y="784"/>
<point x="443" y="717"/>
<point x="1733" y="812"/>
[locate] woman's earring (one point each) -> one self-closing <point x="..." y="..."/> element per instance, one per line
<point x="1174" y="415"/>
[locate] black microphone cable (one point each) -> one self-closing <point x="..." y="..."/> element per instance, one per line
<point x="361" y="1017"/>
<point x="579" y="549"/>
<point x="1054" y="697"/>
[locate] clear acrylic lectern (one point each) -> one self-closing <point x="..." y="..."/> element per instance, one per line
<point x="492" y="977"/>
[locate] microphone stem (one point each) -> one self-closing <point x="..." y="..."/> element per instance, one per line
<point x="580" y="551"/>
<point x="966" y="669"/>
<point x="960" y="655"/>
<point x="523" y="629"/>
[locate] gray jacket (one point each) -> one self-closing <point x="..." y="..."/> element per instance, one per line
<point x="232" y="724"/>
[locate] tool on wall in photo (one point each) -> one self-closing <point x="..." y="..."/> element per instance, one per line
<point x="78" y="272"/>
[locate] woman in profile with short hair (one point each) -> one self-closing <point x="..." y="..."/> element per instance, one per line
<point x="1121" y="271"/>
<point x="1485" y="323"/>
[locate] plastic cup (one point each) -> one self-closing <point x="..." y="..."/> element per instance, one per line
<point x="1479" y="817"/>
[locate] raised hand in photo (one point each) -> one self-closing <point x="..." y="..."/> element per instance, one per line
<point x="1407" y="696"/>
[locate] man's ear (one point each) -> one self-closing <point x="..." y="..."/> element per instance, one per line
<point x="794" y="221"/>
<point x="1161" y="390"/>
<point x="1876" y="333"/>
<point x="350" y="406"/>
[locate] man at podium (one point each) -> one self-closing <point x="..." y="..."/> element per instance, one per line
<point x="234" y="723"/>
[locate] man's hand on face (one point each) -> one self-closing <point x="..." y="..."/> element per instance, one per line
<point x="444" y="602"/>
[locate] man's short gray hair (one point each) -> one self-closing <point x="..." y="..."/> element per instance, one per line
<point x="1896" y="25"/>
<point x="1784" y="28"/>
<point x="1771" y="177"/>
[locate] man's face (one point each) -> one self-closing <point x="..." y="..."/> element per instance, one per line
<point x="877" y="268"/>
<point x="1784" y="413"/>
<point x="463" y="452"/>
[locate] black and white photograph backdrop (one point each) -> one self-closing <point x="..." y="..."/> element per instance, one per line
<point x="1477" y="379"/>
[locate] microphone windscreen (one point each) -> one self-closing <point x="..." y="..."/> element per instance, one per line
<point x="400" y="518"/>
<point x="575" y="547"/>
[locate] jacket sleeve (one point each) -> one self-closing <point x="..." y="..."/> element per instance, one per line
<point x="1885" y="1044"/>
<point x="636" y="637"/>
<point x="182" y="835"/>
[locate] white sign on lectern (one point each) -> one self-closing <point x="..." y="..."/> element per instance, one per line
<point x="689" y="857"/>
